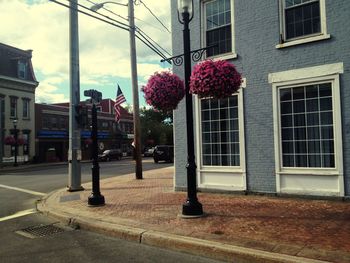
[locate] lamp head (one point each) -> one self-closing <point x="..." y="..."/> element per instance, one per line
<point x="96" y="7"/>
<point x="185" y="6"/>
<point x="14" y="122"/>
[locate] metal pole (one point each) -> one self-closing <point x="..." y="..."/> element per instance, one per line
<point x="74" y="152"/>
<point x="1" y="131"/>
<point x="16" y="144"/>
<point x="95" y="199"/>
<point x="192" y="207"/>
<point x="137" y="135"/>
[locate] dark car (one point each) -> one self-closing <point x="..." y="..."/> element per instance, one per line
<point x="112" y="154"/>
<point x="163" y="153"/>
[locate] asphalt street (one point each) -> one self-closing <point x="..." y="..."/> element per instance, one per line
<point x="19" y="191"/>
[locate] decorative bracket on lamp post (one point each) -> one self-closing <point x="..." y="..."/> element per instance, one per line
<point x="195" y="54"/>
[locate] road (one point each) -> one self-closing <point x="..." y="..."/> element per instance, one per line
<point x="19" y="190"/>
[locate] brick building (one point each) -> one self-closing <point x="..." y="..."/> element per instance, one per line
<point x="52" y="131"/>
<point x="286" y="131"/>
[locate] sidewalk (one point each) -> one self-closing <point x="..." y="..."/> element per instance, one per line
<point x="236" y="228"/>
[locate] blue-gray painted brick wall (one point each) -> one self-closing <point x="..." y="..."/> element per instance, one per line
<point x="256" y="35"/>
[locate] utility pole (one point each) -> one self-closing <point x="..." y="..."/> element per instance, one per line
<point x="74" y="151"/>
<point x="135" y="91"/>
<point x="1" y="130"/>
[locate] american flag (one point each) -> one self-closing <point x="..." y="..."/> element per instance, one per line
<point x="118" y="100"/>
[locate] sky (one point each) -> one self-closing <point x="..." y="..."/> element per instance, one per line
<point x="104" y="56"/>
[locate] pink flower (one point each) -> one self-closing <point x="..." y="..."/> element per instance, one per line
<point x="164" y="91"/>
<point x="218" y="79"/>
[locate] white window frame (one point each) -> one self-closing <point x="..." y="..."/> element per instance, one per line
<point x="308" y="76"/>
<point x="26" y="102"/>
<point x="228" y="169"/>
<point x="307" y="38"/>
<point x="225" y="56"/>
<point x="24" y="64"/>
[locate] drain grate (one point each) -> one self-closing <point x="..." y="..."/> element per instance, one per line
<point x="40" y="231"/>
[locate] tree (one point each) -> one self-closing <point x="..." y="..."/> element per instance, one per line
<point x="156" y="127"/>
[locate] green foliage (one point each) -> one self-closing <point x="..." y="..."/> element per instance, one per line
<point x="156" y="127"/>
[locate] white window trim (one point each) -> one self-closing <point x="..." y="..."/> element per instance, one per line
<point x="304" y="39"/>
<point x="305" y="76"/>
<point x="222" y="169"/>
<point x="225" y="56"/>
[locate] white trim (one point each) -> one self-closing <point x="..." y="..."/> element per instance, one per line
<point x="299" y="77"/>
<point x="228" y="170"/>
<point x="226" y="56"/>
<point x="306" y="73"/>
<point x="307" y="38"/>
<point x="303" y="40"/>
<point x="19" y="80"/>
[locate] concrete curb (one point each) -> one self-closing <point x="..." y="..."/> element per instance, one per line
<point x="195" y="246"/>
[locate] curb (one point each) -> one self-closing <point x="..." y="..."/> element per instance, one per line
<point x="194" y="246"/>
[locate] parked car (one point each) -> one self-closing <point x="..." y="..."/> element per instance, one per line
<point x="111" y="154"/>
<point x="148" y="152"/>
<point x="163" y="153"/>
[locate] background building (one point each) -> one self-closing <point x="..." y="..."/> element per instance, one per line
<point x="17" y="97"/>
<point x="52" y="131"/>
<point x="286" y="131"/>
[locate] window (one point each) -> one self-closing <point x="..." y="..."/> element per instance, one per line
<point x="22" y="69"/>
<point x="302" y="21"/>
<point x="220" y="132"/>
<point x="218" y="28"/>
<point x="307" y="130"/>
<point x="26" y="103"/>
<point x="306" y="105"/>
<point x="13" y="107"/>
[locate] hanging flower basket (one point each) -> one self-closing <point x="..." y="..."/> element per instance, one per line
<point x="164" y="91"/>
<point x="88" y="141"/>
<point x="21" y="141"/>
<point x="10" y="140"/>
<point x="218" y="79"/>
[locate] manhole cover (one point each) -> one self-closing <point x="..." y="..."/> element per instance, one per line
<point x="40" y="231"/>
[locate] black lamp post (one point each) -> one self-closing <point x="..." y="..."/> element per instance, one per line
<point x="95" y="199"/>
<point x="192" y="207"/>
<point x="16" y="138"/>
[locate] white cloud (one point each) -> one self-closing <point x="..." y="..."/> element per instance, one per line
<point x="104" y="50"/>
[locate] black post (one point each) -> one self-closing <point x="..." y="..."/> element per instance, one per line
<point x="192" y="207"/>
<point x="16" y="143"/>
<point x="95" y="199"/>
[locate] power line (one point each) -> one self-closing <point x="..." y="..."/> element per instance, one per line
<point x="154" y="16"/>
<point x="141" y="32"/>
<point x="144" y="40"/>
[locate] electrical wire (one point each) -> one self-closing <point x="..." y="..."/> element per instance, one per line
<point x="141" y="32"/>
<point x="143" y="40"/>
<point x="154" y="16"/>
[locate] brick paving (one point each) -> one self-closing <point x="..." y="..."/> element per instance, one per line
<point x="315" y="229"/>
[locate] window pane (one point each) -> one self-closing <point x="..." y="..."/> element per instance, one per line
<point x="308" y="138"/>
<point x="220" y="132"/>
<point x="285" y="94"/>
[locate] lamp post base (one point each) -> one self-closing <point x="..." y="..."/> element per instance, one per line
<point x="192" y="209"/>
<point x="96" y="200"/>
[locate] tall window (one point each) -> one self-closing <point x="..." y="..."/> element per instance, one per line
<point x="218" y="28"/>
<point x="307" y="136"/>
<point x="26" y="103"/>
<point x="220" y="132"/>
<point x="13" y="107"/>
<point x="22" y="69"/>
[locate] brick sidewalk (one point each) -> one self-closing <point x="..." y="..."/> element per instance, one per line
<point x="305" y="228"/>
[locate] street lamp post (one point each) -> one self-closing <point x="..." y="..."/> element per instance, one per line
<point x="16" y="138"/>
<point x="192" y="207"/>
<point x="95" y="199"/>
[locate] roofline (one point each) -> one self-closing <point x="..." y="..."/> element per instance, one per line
<point x="27" y="53"/>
